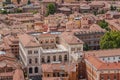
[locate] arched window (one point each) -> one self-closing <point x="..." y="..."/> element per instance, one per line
<point x="43" y="60"/>
<point x="60" y="58"/>
<point x="48" y="75"/>
<point x="48" y="59"/>
<point x="41" y="42"/>
<point x="36" y="70"/>
<point x="30" y="61"/>
<point x="115" y="78"/>
<point x="54" y="74"/>
<point x="36" y="60"/>
<point x="54" y="58"/>
<point x="108" y="77"/>
<point x="65" y="58"/>
<point x="30" y="70"/>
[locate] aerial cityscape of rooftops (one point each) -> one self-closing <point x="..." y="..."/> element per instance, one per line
<point x="59" y="39"/>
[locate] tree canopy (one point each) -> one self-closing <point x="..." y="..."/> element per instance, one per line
<point x="110" y="40"/>
<point x="113" y="8"/>
<point x="103" y="24"/>
<point x="51" y="9"/>
<point x="86" y="47"/>
<point x="29" y="2"/>
<point x="19" y="10"/>
<point x="3" y="12"/>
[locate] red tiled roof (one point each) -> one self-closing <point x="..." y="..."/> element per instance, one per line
<point x="70" y="38"/>
<point x="99" y="64"/>
<point x="58" y="66"/>
<point x="54" y="78"/>
<point x="28" y="41"/>
<point x="104" y="53"/>
<point x="18" y="75"/>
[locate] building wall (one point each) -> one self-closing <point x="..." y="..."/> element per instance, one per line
<point x="47" y="42"/>
<point x="71" y="75"/>
<point x="82" y="70"/>
<point x="31" y="59"/>
<point x="91" y="72"/>
<point x="7" y="71"/>
<point x="23" y="54"/>
<point x="91" y="39"/>
<point x="109" y="76"/>
<point x="54" y="57"/>
<point x="15" y="48"/>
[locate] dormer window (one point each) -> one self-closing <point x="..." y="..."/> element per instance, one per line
<point x="30" y="61"/>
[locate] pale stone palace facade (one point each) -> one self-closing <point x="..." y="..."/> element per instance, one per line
<point x="47" y="48"/>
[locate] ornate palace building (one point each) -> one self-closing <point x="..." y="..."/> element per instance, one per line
<point x="47" y="48"/>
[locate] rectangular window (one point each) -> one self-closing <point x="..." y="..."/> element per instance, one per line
<point x="103" y="59"/>
<point x="36" y="52"/>
<point x="102" y="78"/>
<point x="29" y="51"/>
<point x="78" y="49"/>
<point x="36" y="60"/>
<point x="114" y="58"/>
<point x="115" y="78"/>
<point x="72" y="49"/>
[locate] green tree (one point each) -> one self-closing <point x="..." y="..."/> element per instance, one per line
<point x="103" y="24"/>
<point x="19" y="10"/>
<point x="86" y="47"/>
<point x="102" y="12"/>
<point x="110" y="40"/>
<point x="51" y="9"/>
<point x="29" y="2"/>
<point x="95" y="13"/>
<point x="3" y="11"/>
<point x="35" y="12"/>
<point x="113" y="8"/>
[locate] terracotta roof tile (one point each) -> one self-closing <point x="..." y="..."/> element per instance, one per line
<point x="58" y="66"/>
<point x="70" y="38"/>
<point x="104" y="53"/>
<point x="28" y="41"/>
<point x="93" y="58"/>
